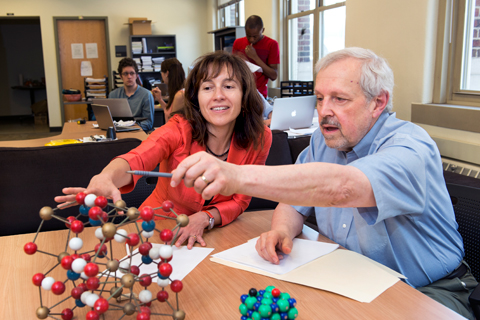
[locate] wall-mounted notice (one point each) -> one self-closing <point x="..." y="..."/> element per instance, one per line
<point x="86" y="69"/>
<point x="92" y="52"/>
<point x="77" y="50"/>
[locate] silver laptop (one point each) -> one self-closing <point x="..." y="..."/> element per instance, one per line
<point x="119" y="108"/>
<point x="294" y="113"/>
<point x="104" y="119"/>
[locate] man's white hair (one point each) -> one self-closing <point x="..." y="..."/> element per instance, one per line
<point x="376" y="75"/>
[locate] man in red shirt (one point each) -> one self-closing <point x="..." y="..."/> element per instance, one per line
<point x="260" y="50"/>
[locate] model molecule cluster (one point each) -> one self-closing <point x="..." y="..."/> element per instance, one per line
<point x="91" y="285"/>
<point x="268" y="304"/>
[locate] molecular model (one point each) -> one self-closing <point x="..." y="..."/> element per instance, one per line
<point x="268" y="304"/>
<point x="91" y="287"/>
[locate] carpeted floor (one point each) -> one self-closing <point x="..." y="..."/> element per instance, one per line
<point x="23" y="128"/>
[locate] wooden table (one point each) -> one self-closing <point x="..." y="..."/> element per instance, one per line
<point x="211" y="290"/>
<point x="72" y="130"/>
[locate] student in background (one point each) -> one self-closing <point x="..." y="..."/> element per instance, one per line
<point x="174" y="76"/>
<point x="260" y="50"/>
<point x="139" y="98"/>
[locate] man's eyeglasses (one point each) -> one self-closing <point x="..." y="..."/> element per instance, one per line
<point x="126" y="74"/>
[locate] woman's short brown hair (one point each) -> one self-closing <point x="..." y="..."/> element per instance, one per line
<point x="249" y="127"/>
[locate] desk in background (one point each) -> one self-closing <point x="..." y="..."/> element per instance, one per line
<point x="72" y="130"/>
<point x="211" y="290"/>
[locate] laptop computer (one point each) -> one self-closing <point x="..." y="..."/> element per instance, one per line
<point x="294" y="112"/>
<point x="104" y="119"/>
<point x="119" y="108"/>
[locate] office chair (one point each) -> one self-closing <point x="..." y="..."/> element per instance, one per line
<point x="466" y="204"/>
<point x="32" y="177"/>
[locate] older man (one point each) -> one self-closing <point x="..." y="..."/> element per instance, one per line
<point x="374" y="182"/>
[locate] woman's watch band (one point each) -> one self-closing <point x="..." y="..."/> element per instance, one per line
<point x="211" y="220"/>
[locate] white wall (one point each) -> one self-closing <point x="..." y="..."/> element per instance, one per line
<point x="404" y="33"/>
<point x="189" y="20"/>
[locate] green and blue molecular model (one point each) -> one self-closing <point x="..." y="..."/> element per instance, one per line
<point x="268" y="304"/>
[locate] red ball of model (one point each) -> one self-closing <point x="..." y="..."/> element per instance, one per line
<point x="30" y="248"/>
<point x="162" y="296"/>
<point x="37" y="279"/>
<point x="144" y="248"/>
<point x="80" y="198"/>
<point x="135" y="270"/>
<point x="143" y="316"/>
<point x="167" y="205"/>
<point x="82" y="286"/>
<point x="165" y="269"/>
<point x="101" y="305"/>
<point x="66" y="262"/>
<point x="67" y="314"/>
<point x="133" y="239"/>
<point x="86" y="257"/>
<point x="166" y="235"/>
<point x="101" y="201"/>
<point x="176" y="286"/>
<point x="69" y="219"/>
<point x="103" y="252"/>
<point x="58" y="288"/>
<point x="91" y="269"/>
<point x="276" y="292"/>
<point x="75" y="256"/>
<point x="77" y="292"/>
<point x="147" y="213"/>
<point x="92" y="315"/>
<point x="76" y="226"/>
<point x="95" y="212"/>
<point x="145" y="310"/>
<point x="93" y="283"/>
<point x="145" y="280"/>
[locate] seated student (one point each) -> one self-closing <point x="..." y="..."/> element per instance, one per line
<point x="374" y="182"/>
<point x="174" y="76"/>
<point x="139" y="98"/>
<point x="222" y="116"/>
<point x="267" y="110"/>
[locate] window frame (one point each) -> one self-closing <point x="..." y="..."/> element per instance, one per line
<point x="316" y="30"/>
<point x="221" y="13"/>
<point x="450" y="56"/>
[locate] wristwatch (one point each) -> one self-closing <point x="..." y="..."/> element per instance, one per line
<point x="211" y="220"/>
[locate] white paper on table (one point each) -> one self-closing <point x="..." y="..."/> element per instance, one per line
<point x="183" y="262"/>
<point x="343" y="272"/>
<point x="301" y="132"/>
<point x="253" y="67"/>
<point x="303" y="252"/>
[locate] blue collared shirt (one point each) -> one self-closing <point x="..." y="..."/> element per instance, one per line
<point x="412" y="229"/>
<point x="141" y="103"/>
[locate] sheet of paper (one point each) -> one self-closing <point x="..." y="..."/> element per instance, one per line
<point x="183" y="262"/>
<point x="301" y="132"/>
<point x="253" y="67"/>
<point x="91" y="49"/>
<point x="77" y="50"/>
<point x="86" y="69"/>
<point x="303" y="252"/>
<point x="343" y="272"/>
<point x="122" y="123"/>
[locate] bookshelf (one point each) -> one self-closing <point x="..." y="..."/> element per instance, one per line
<point x="157" y="47"/>
<point x="225" y="37"/>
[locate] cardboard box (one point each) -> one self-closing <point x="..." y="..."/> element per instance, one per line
<point x="140" y="26"/>
<point x="41" y="119"/>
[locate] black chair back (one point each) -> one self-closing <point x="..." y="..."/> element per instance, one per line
<point x="466" y="204"/>
<point x="32" y="177"/>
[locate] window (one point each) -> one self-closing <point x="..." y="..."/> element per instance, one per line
<point x="314" y="28"/>
<point x="458" y="56"/>
<point x="231" y="13"/>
